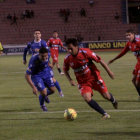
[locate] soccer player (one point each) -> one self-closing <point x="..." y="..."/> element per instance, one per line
<point x="87" y="74"/>
<point x="34" y="46"/>
<point x="38" y="76"/>
<point x="54" y="43"/>
<point x="1" y="48"/>
<point x="133" y="45"/>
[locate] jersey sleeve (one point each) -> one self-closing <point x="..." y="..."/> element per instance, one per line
<point x="60" y="43"/>
<point x="26" y="50"/>
<point x="49" y="43"/>
<point x="93" y="56"/>
<point x="30" y="65"/>
<point x="66" y="66"/>
<point x="43" y="44"/>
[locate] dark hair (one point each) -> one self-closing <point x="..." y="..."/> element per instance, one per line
<point x="43" y="50"/>
<point x="130" y="31"/>
<point x="37" y="30"/>
<point x="72" y="41"/>
<point x="55" y="32"/>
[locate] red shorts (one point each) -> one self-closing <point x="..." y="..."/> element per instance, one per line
<point x="93" y="84"/>
<point x="54" y="54"/>
<point x="136" y="71"/>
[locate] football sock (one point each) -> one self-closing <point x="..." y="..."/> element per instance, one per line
<point x="95" y="106"/>
<point x="138" y="90"/>
<point x="41" y="99"/>
<point x="112" y="99"/>
<point x="59" y="70"/>
<point x="49" y="92"/>
<point x="57" y="86"/>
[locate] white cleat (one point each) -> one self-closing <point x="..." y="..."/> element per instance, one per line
<point x="61" y="94"/>
<point x="62" y="73"/>
<point x="106" y="116"/>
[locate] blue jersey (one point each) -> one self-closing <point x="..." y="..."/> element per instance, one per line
<point x="38" y="68"/>
<point x="34" y="48"/>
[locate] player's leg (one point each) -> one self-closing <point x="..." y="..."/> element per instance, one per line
<point x="136" y="82"/>
<point x="56" y="83"/>
<point x="38" y="82"/>
<point x="102" y="89"/>
<point x="56" y="62"/>
<point x="58" y="68"/>
<point x="86" y="93"/>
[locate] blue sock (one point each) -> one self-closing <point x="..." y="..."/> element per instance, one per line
<point x="95" y="106"/>
<point x="57" y="86"/>
<point x="41" y="100"/>
<point x="49" y="92"/>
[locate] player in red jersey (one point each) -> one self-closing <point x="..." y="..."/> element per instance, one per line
<point x="87" y="74"/>
<point x="54" y="44"/>
<point x="133" y="45"/>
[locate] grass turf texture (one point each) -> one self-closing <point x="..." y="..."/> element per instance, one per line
<point x="22" y="119"/>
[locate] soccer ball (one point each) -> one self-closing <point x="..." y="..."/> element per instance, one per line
<point x="70" y="114"/>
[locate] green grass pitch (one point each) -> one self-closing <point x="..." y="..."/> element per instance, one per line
<point x="22" y="119"/>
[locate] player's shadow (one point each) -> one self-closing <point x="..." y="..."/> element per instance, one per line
<point x="135" y="134"/>
<point x="57" y="119"/>
<point x="118" y="100"/>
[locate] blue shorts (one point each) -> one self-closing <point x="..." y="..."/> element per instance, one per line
<point x="41" y="83"/>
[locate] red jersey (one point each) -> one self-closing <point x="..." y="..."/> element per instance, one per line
<point x="84" y="70"/>
<point x="54" y="43"/>
<point x="132" y="46"/>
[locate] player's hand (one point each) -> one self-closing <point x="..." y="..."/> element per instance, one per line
<point x="35" y="91"/>
<point x="111" y="74"/>
<point x="72" y="83"/>
<point x="24" y="62"/>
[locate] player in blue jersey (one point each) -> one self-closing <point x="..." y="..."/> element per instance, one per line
<point x="34" y="47"/>
<point x="39" y="78"/>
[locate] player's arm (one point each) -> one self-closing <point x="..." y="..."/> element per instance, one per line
<point x="94" y="57"/>
<point x="122" y="53"/>
<point x="61" y="44"/>
<point x="25" y="54"/>
<point x="28" y="78"/>
<point x="29" y="81"/>
<point x="66" y="72"/>
<point x="105" y="66"/>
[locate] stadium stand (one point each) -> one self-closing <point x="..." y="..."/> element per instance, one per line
<point x="99" y="20"/>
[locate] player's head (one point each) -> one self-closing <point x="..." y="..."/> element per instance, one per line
<point x="37" y="35"/>
<point x="43" y="54"/>
<point x="55" y="34"/>
<point x="130" y="35"/>
<point x="72" y="46"/>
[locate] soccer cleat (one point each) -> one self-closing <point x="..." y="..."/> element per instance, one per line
<point x="61" y="94"/>
<point x="115" y="104"/>
<point x="44" y="108"/>
<point x="47" y="99"/>
<point x="61" y="73"/>
<point x="106" y="116"/>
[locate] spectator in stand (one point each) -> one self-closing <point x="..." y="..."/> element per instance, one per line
<point x="30" y="1"/>
<point x="14" y="19"/>
<point x="9" y="17"/>
<point x="83" y="12"/>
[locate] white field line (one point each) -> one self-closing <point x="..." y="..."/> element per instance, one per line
<point x="57" y="112"/>
<point x="12" y="72"/>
